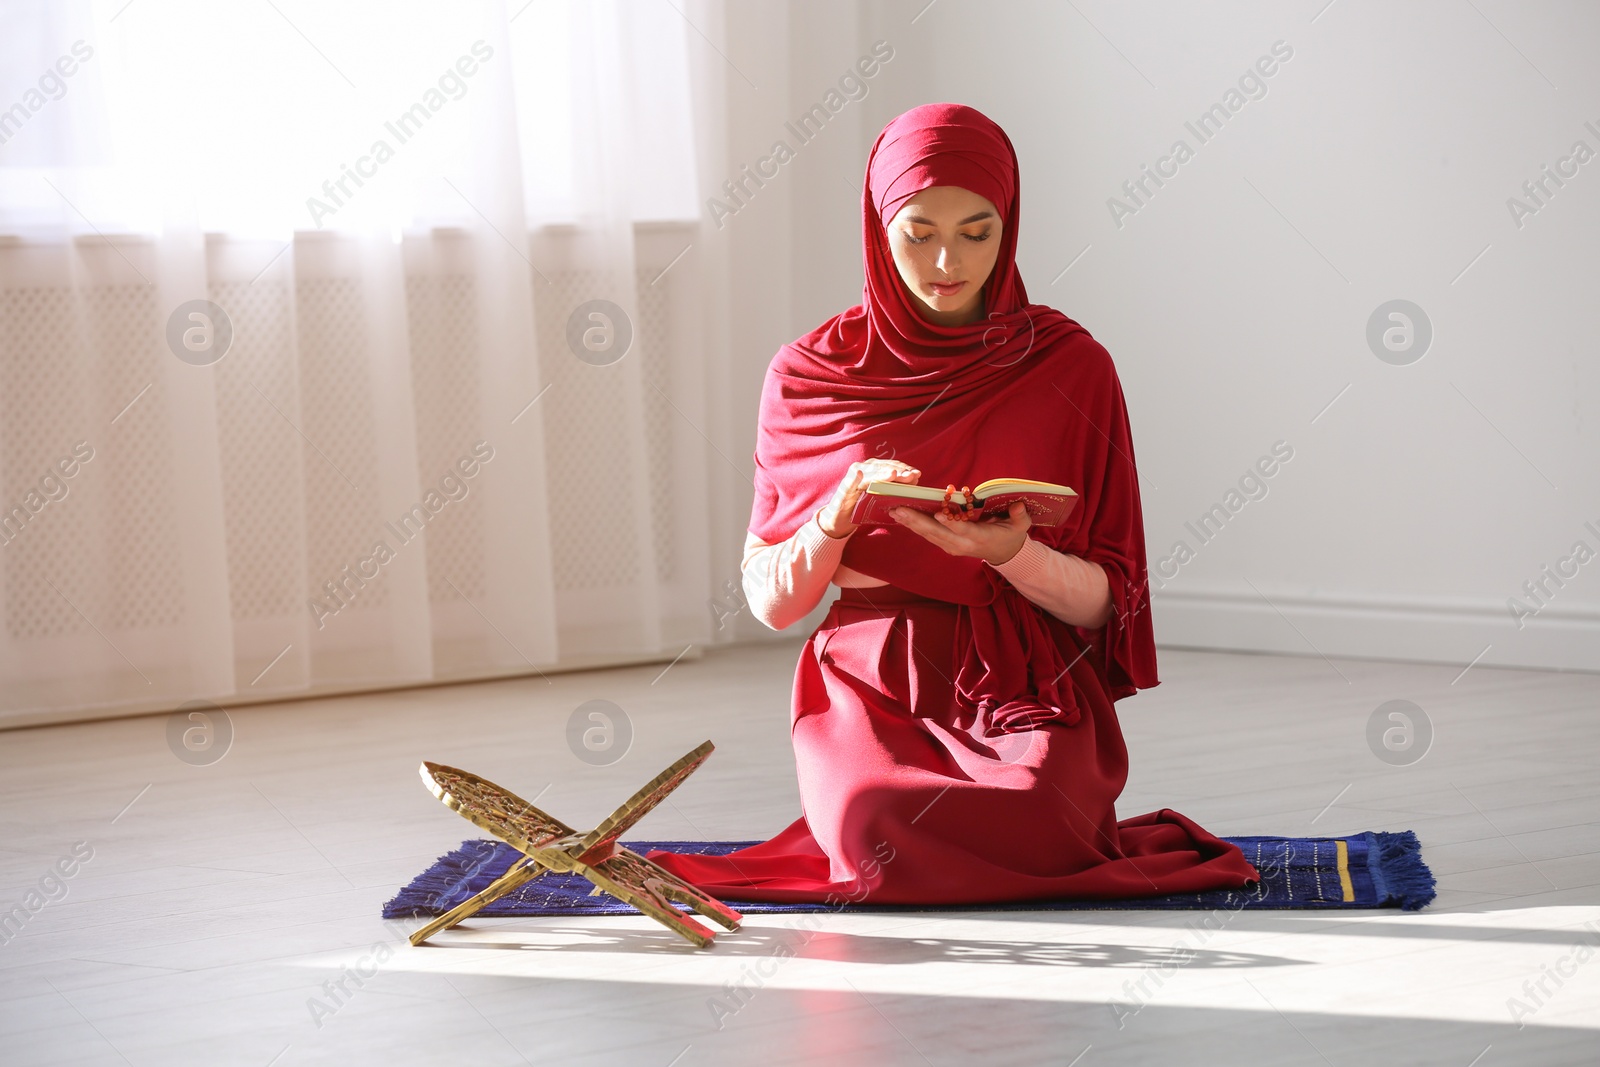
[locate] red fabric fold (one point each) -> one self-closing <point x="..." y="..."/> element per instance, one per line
<point x="1010" y="668"/>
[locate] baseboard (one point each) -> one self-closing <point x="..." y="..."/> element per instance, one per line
<point x="1418" y="630"/>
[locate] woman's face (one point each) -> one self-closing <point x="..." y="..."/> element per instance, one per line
<point x="945" y="241"/>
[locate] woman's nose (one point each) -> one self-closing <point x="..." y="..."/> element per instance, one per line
<point x="946" y="260"/>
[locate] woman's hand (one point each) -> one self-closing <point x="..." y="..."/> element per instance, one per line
<point x="834" y="518"/>
<point x="994" y="540"/>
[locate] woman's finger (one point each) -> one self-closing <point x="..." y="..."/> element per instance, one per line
<point x="921" y="523"/>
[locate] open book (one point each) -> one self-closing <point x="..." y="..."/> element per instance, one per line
<point x="1048" y="504"/>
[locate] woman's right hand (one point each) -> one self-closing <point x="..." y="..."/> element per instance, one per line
<point x="834" y="517"/>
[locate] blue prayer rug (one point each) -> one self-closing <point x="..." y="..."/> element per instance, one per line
<point x="1367" y="870"/>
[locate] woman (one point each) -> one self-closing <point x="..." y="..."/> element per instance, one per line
<point x="953" y="722"/>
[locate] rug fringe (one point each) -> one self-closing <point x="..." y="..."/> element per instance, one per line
<point x="1402" y="877"/>
<point x="442" y="881"/>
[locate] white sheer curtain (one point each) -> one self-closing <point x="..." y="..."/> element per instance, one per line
<point x="417" y="457"/>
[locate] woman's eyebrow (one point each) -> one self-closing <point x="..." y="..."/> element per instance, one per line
<point x="963" y="222"/>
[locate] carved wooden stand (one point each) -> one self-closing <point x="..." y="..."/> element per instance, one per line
<point x="548" y="844"/>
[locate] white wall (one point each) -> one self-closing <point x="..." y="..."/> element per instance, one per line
<point x="1377" y="166"/>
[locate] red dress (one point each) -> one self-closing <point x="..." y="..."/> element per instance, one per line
<point x="906" y="802"/>
<point x="955" y="743"/>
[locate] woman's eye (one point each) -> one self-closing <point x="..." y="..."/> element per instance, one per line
<point x="975" y="238"/>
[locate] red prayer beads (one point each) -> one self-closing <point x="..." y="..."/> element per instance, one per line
<point x="968" y="512"/>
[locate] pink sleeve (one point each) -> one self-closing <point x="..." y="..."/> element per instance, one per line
<point x="1060" y="583"/>
<point x="783" y="582"/>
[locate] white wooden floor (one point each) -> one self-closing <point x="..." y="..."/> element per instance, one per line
<point x="217" y="904"/>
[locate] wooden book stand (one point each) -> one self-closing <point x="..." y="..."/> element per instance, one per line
<point x="548" y="844"/>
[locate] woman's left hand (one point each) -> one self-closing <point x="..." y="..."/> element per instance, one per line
<point x="994" y="540"/>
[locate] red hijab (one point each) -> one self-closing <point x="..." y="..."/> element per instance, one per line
<point x="1023" y="392"/>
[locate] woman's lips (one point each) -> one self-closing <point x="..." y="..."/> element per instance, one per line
<point x="946" y="289"/>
